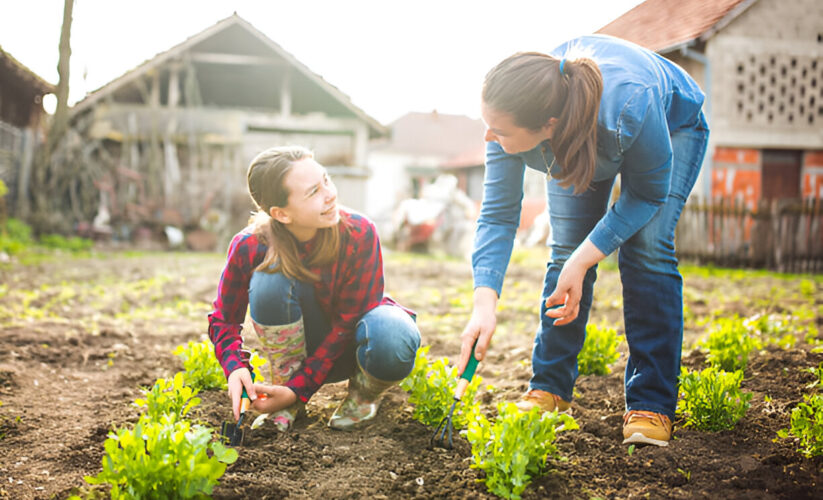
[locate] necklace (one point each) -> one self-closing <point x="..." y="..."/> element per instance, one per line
<point x="548" y="167"/>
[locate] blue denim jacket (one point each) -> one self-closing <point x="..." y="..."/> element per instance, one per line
<point x="645" y="99"/>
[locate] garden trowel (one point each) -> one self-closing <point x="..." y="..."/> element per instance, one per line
<point x="232" y="433"/>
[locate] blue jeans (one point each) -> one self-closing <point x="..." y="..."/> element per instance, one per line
<point x="386" y="338"/>
<point x="652" y="287"/>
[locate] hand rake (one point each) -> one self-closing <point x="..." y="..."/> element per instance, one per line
<point x="442" y="436"/>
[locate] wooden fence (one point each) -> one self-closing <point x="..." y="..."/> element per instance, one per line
<point x="782" y="235"/>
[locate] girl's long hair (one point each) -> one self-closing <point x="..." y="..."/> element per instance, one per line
<point x="531" y="87"/>
<point x="266" y="182"/>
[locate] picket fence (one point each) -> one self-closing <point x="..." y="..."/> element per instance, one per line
<point x="781" y="235"/>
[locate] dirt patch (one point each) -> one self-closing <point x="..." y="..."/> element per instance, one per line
<point x="73" y="356"/>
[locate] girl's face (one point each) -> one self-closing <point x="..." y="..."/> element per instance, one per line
<point x="312" y="201"/>
<point x="500" y="128"/>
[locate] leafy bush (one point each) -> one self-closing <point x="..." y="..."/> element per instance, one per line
<point x="166" y="458"/>
<point x="168" y="397"/>
<point x="15" y="236"/>
<point x="431" y="391"/>
<point x="513" y="449"/>
<point x="599" y="350"/>
<point x="203" y="371"/>
<point x="711" y="400"/>
<point x="729" y="343"/>
<point x="59" y="242"/>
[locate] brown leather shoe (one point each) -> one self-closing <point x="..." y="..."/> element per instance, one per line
<point x="646" y="427"/>
<point x="545" y="400"/>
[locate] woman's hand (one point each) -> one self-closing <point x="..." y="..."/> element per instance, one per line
<point x="277" y="398"/>
<point x="480" y="328"/>
<point x="238" y="380"/>
<point x="569" y="287"/>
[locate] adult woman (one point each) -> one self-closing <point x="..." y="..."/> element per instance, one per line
<point x="311" y="275"/>
<point x="620" y="110"/>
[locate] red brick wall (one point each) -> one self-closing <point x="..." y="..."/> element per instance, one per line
<point x="812" y="174"/>
<point x="736" y="174"/>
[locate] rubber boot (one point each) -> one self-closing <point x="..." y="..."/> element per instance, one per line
<point x="284" y="347"/>
<point x="361" y="403"/>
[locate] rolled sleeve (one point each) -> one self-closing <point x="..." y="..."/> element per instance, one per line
<point x="499" y="217"/>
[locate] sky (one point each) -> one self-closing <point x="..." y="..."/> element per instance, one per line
<point x="390" y="57"/>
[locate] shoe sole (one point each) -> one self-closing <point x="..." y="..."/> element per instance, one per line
<point x="638" y="438"/>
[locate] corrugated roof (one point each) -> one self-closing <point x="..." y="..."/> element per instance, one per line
<point x="660" y="25"/>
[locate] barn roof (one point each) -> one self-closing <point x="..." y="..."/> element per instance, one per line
<point x="20" y="71"/>
<point x="235" y="39"/>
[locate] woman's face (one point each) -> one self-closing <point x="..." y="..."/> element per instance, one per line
<point x="500" y="128"/>
<point x="312" y="201"/>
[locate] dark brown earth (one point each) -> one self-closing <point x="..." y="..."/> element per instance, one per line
<point x="80" y="336"/>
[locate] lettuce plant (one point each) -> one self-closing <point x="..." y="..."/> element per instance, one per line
<point x="203" y="371"/>
<point x="711" y="400"/>
<point x="729" y="343"/>
<point x="168" y="397"/>
<point x="513" y="448"/>
<point x="167" y="458"/>
<point x="431" y="388"/>
<point x="599" y="350"/>
<point x="807" y="420"/>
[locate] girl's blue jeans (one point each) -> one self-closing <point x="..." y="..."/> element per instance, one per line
<point x="652" y="287"/>
<point x="386" y="338"/>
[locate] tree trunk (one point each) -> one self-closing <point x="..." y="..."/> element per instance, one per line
<point x="46" y="209"/>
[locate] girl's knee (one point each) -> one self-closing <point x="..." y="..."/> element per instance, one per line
<point x="273" y="299"/>
<point x="389" y="339"/>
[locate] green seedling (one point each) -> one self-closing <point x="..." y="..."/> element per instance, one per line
<point x="513" y="449"/>
<point x="203" y="371"/>
<point x="599" y="350"/>
<point x="165" y="458"/>
<point x="807" y="420"/>
<point x="711" y="400"/>
<point x="431" y="391"/>
<point x="168" y="397"/>
<point x="729" y="343"/>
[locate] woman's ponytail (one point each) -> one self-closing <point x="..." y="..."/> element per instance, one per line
<point x="574" y="139"/>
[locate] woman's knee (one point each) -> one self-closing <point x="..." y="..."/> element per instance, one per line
<point x="273" y="299"/>
<point x="387" y="339"/>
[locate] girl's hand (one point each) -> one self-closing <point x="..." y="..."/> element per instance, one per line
<point x="238" y="380"/>
<point x="277" y="398"/>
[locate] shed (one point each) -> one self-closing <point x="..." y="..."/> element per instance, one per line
<point x="171" y="139"/>
<point x="21" y="120"/>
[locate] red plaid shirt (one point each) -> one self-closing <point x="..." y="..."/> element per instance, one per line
<point x="348" y="288"/>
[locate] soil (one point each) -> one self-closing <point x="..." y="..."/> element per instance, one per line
<point x="80" y="336"/>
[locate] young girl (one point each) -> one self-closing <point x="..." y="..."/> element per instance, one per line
<point x="583" y="120"/>
<point x="311" y="275"/>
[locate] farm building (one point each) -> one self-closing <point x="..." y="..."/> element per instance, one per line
<point x="423" y="146"/>
<point x="412" y="155"/>
<point x="21" y="121"/>
<point x="760" y="63"/>
<point x="169" y="141"/>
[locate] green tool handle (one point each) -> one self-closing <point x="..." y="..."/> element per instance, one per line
<point x="245" y="401"/>
<point x="466" y="376"/>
